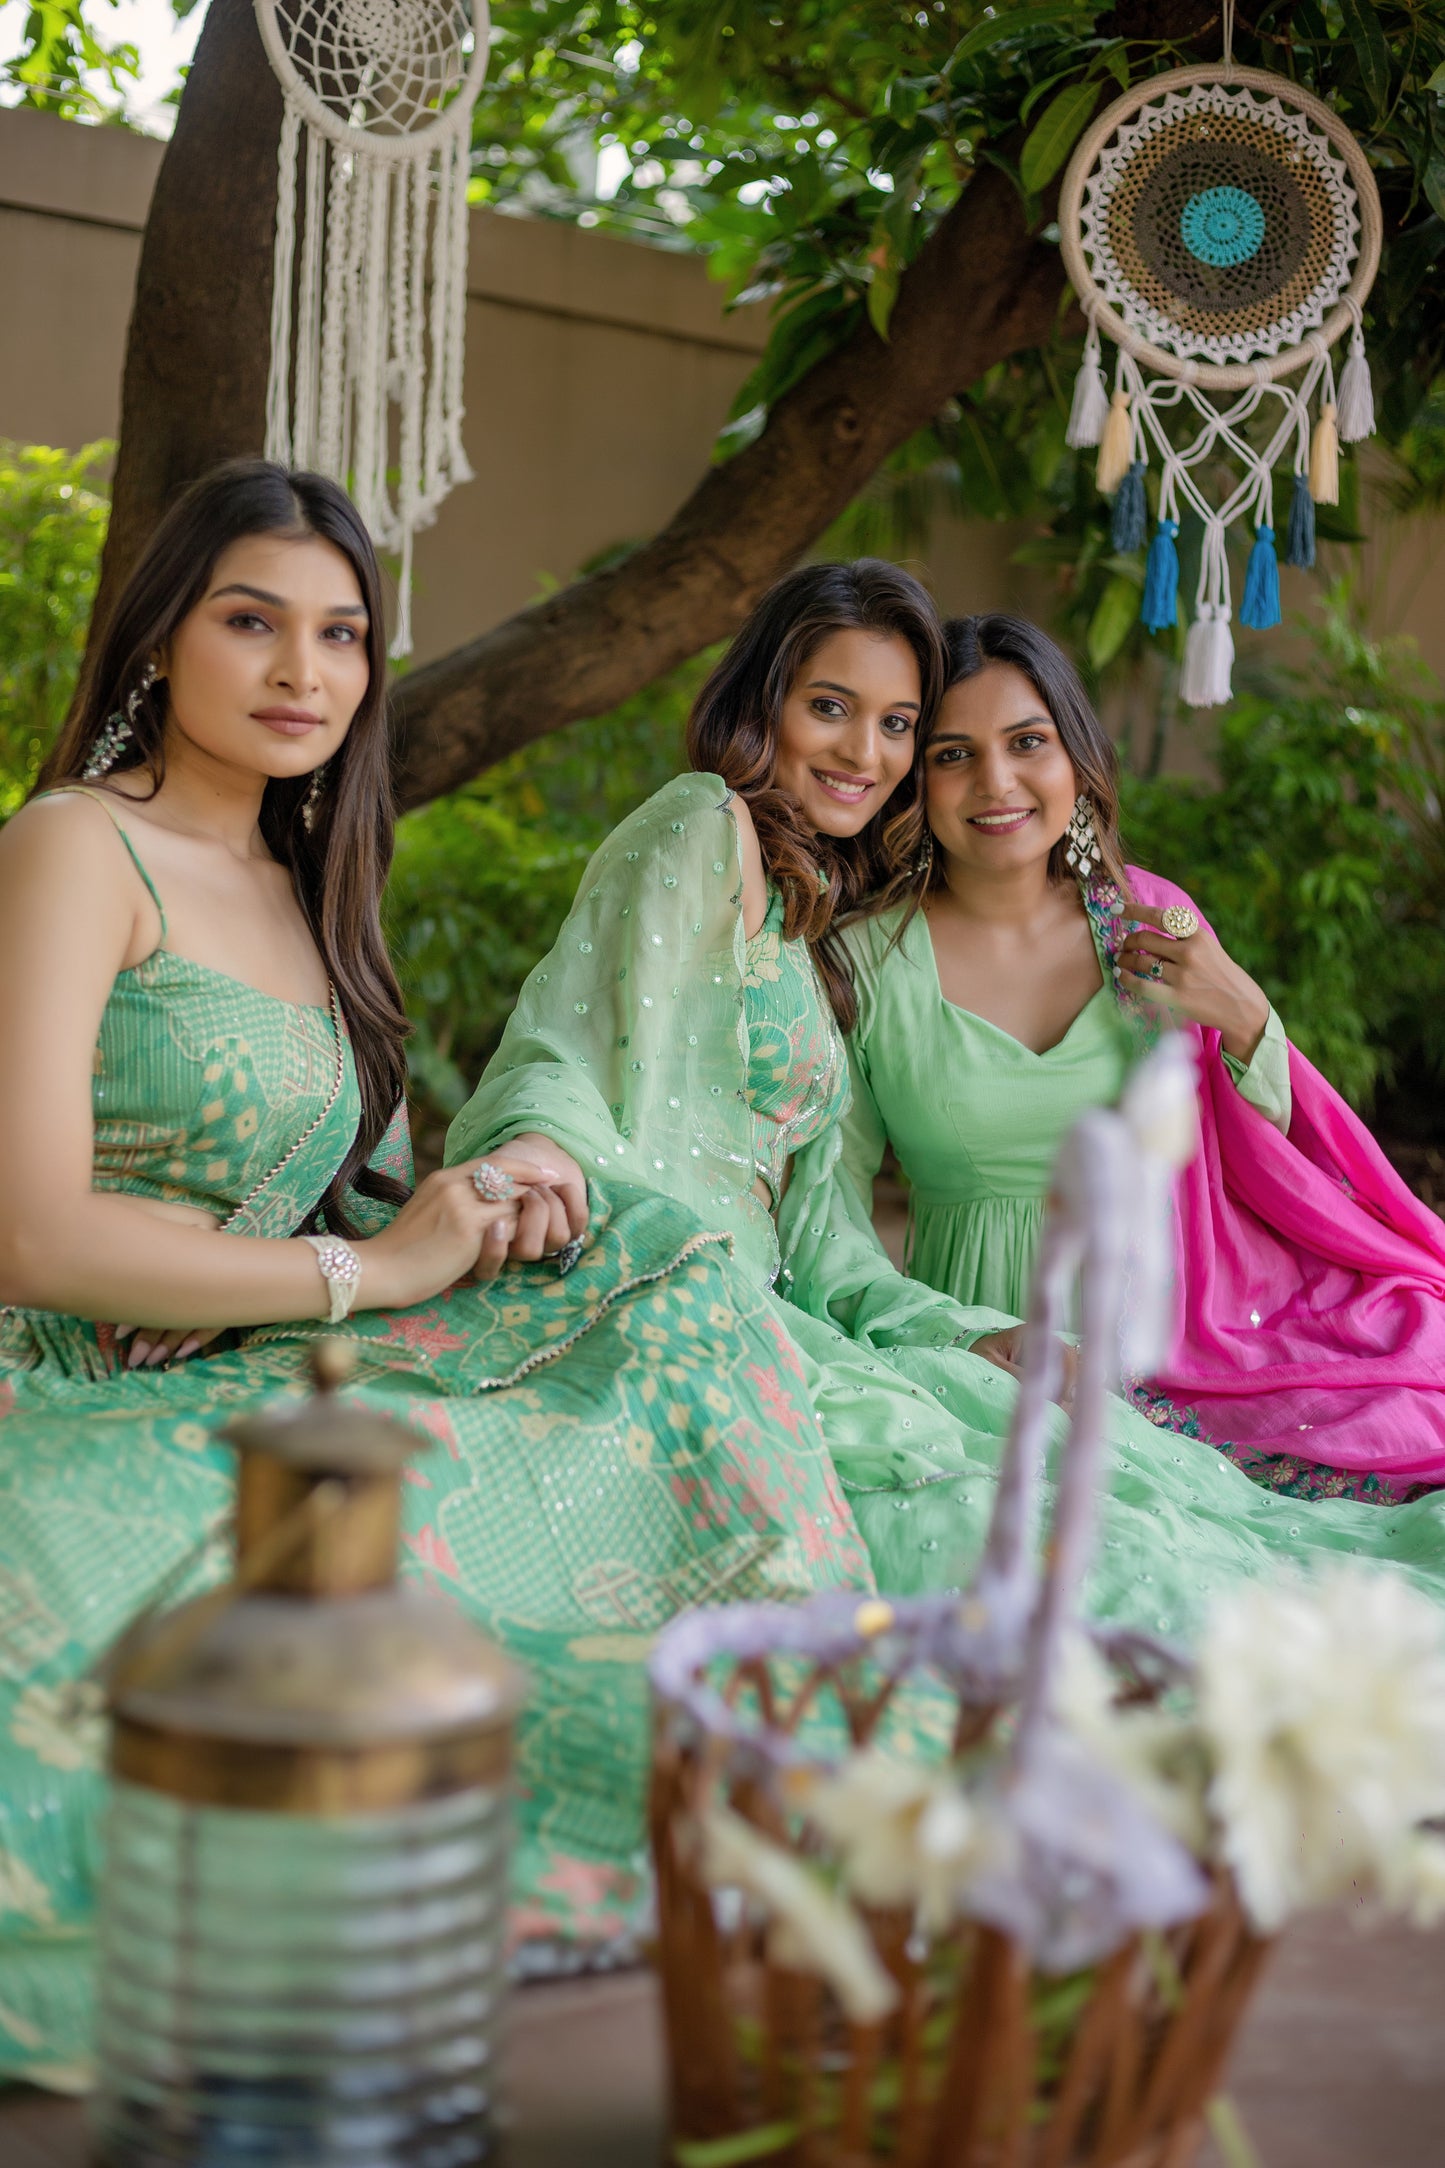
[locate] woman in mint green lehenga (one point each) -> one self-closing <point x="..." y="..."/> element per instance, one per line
<point x="197" y="1089"/>
<point x="688" y="1026"/>
<point x="1005" y="996"/>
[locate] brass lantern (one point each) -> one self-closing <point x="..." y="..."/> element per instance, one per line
<point x="303" y="1908"/>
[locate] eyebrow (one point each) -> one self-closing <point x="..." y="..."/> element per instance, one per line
<point x="279" y="602"/>
<point x="964" y="737"/>
<point x="826" y="685"/>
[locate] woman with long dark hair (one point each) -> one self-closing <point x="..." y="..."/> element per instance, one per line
<point x="1009" y="990"/>
<point x="688" y="1025"/>
<point x="201" y="1132"/>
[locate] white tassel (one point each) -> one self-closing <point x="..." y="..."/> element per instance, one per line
<point x="1355" y="417"/>
<point x="1090" y="409"/>
<point x="1204" y="681"/>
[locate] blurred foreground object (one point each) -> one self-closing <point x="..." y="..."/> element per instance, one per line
<point x="304" y="1893"/>
<point x="960" y="1882"/>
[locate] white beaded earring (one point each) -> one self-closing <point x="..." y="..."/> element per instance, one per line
<point x="119" y="730"/>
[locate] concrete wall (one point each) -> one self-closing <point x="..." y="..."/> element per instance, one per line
<point x="598" y="373"/>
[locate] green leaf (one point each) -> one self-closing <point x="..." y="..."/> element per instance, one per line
<point x="1055" y="134"/>
<point x="1371" y="51"/>
<point x="1437" y="80"/>
<point x="746" y="2145"/>
<point x="882" y="293"/>
<point x="1433" y="183"/>
<point x="1115" y="615"/>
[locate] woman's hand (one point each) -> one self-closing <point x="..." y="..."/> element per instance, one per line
<point x="1005" y="1350"/>
<point x="447" y="1231"/>
<point x="550" y="1217"/>
<point x="1194" y="978"/>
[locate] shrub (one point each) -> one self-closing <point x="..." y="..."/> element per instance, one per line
<point x="52" y="529"/>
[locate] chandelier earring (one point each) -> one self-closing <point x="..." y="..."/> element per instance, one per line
<point x="1082" y="853"/>
<point x="311" y="803"/>
<point x="923" y="863"/>
<point x="119" y="729"/>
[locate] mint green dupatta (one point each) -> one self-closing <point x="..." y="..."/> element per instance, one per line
<point x="629" y="1045"/>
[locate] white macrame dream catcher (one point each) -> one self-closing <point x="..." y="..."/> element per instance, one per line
<point x="1222" y="227"/>
<point x="369" y="301"/>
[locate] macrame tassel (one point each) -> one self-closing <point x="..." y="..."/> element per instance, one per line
<point x="1325" y="458"/>
<point x="1131" y="511"/>
<point x="1204" y="681"/>
<point x="1090" y="409"/>
<point x="1160" y="607"/>
<point x="1356" y="419"/>
<point x="1260" y="607"/>
<point x="1300" y="545"/>
<point x="1116" y="446"/>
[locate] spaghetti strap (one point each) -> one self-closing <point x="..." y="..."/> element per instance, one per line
<point x="79" y="790"/>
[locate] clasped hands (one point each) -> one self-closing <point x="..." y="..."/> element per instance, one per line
<point x="444" y="1233"/>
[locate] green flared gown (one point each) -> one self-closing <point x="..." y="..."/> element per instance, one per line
<point x="975" y="1117"/>
<point x="593" y="1454"/>
<point x="655" y="1036"/>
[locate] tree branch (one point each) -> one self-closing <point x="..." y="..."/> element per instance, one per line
<point x="980" y="289"/>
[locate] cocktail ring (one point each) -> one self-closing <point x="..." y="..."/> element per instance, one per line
<point x="492" y="1184"/>
<point x="1180" y="921"/>
<point x="1156" y="969"/>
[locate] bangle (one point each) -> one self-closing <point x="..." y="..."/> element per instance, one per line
<point x="340" y="1269"/>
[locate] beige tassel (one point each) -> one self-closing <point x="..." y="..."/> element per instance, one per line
<point x="1325" y="458"/>
<point x="1116" y="449"/>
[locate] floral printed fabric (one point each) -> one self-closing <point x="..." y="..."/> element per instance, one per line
<point x="797" y="1075"/>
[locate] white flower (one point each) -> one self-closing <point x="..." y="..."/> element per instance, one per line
<point x="1323" y="1705"/>
<point x="905" y="1834"/>
<point x="63" y="1726"/>
<point x="811" y="1928"/>
<point x="1156" y="1752"/>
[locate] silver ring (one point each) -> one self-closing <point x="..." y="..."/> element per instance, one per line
<point x="1180" y="922"/>
<point x="492" y="1184"/>
<point x="1156" y="968"/>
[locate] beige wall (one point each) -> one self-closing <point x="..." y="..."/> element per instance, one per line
<point x="598" y="373"/>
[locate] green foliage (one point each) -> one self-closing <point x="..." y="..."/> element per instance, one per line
<point x="52" y="528"/>
<point x="1320" y="856"/>
<point x="483" y="879"/>
<point x="62" y="46"/>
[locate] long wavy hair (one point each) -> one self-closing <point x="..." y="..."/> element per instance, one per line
<point x="733" y="732"/>
<point x="340" y="864"/>
<point x="974" y="642"/>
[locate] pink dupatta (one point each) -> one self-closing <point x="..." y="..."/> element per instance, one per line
<point x="1313" y="1311"/>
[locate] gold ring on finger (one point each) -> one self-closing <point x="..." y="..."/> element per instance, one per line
<point x="1180" y="923"/>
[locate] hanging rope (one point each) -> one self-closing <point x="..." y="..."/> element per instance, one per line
<point x="368" y="331"/>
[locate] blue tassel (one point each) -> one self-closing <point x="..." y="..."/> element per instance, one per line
<point x="1301" y="546"/>
<point x="1131" y="510"/>
<point x="1160" y="608"/>
<point x="1260" y="607"/>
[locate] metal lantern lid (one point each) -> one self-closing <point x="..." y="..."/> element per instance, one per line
<point x="314" y="1680"/>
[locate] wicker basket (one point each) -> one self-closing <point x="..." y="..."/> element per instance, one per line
<point x="984" y="2063"/>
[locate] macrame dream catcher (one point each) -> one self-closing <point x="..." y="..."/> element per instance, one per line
<point x="1222" y="227"/>
<point x="369" y="302"/>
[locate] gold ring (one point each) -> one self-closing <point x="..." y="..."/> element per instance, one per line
<point x="1180" y="922"/>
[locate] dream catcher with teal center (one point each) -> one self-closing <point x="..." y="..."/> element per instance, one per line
<point x="1222" y="228"/>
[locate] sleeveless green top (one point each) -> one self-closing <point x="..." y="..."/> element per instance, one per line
<point x="208" y="1092"/>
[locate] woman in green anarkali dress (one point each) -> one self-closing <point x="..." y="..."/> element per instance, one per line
<point x="596" y="1448"/>
<point x="1005" y="997"/>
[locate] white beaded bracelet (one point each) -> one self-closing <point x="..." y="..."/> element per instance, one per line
<point x="340" y="1269"/>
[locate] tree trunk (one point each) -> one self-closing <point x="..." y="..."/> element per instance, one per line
<point x="198" y="352"/>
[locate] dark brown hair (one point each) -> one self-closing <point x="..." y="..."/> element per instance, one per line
<point x="973" y="643"/>
<point x="733" y="732"/>
<point x="340" y="864"/>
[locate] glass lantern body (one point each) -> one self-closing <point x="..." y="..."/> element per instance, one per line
<point x="303" y="1896"/>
